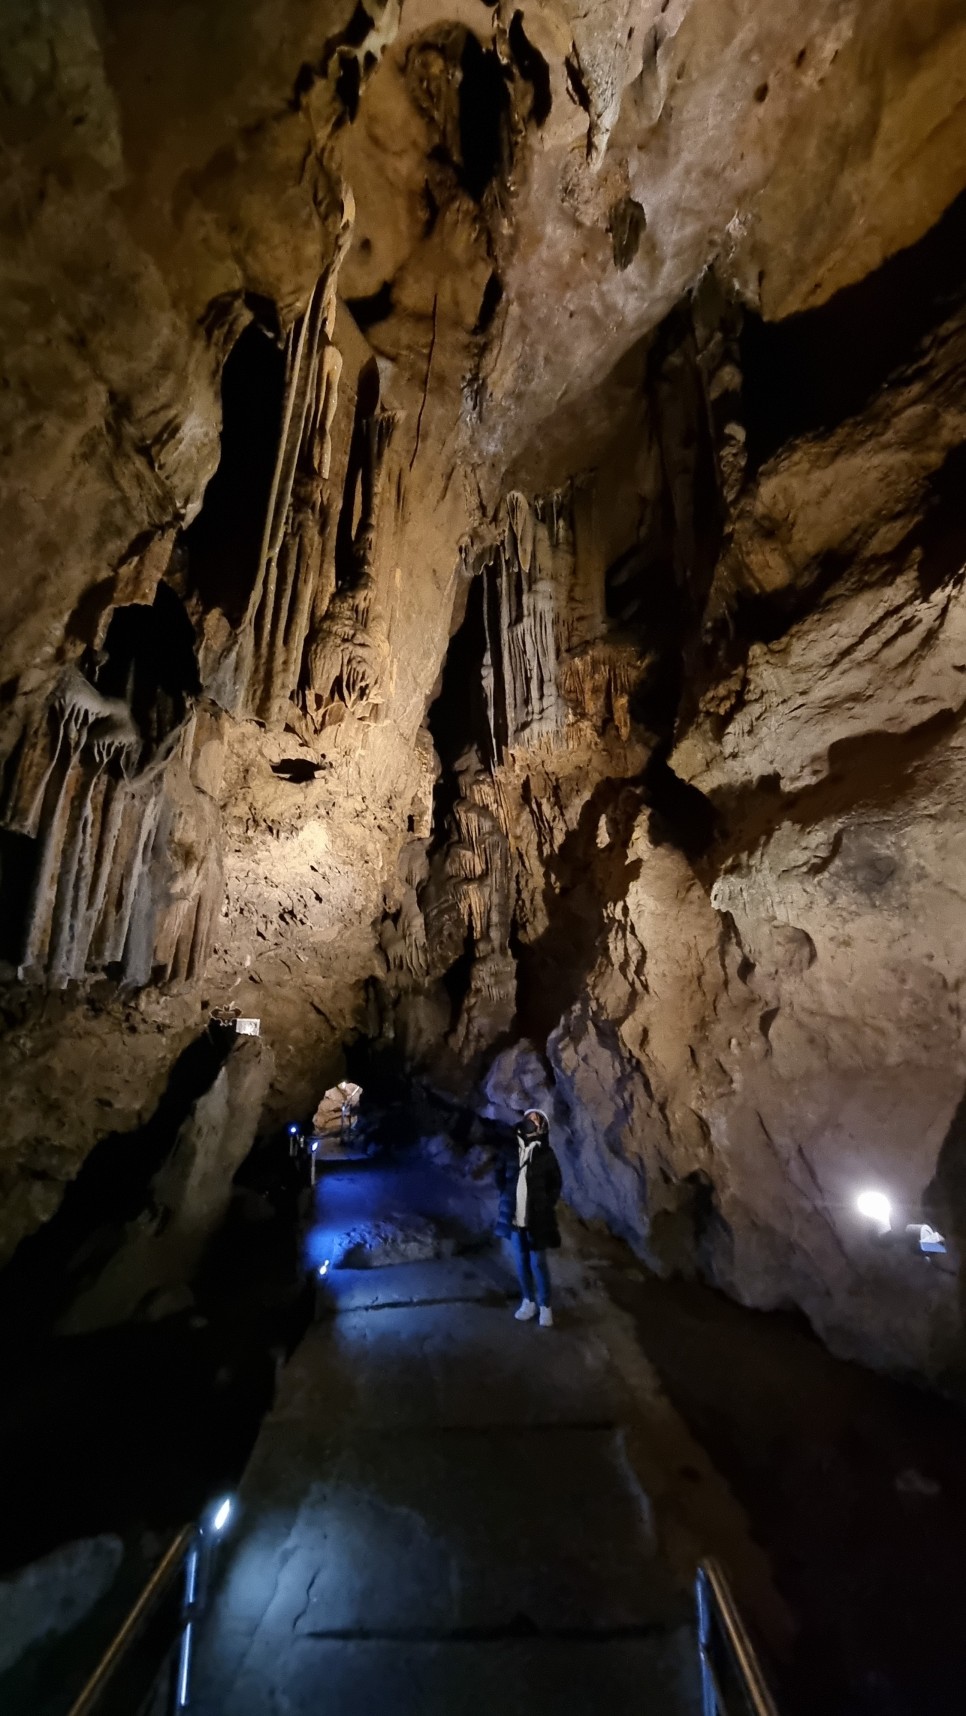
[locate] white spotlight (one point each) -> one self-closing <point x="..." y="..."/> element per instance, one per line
<point x="221" y="1515"/>
<point x="876" y="1208"/>
<point x="324" y="1267"/>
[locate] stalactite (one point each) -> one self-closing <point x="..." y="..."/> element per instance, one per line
<point x="349" y="656"/>
<point x="141" y="812"/>
<point x="520" y="666"/>
<point x="112" y="811"/>
<point x="261" y="628"/>
<point x="72" y="884"/>
<point x="272" y="637"/>
<point x="597" y="683"/>
<point x="100" y="823"/>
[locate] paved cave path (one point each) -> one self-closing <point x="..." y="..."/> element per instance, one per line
<point x="444" y="1512"/>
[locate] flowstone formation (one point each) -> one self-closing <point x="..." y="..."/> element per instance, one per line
<point x="481" y="489"/>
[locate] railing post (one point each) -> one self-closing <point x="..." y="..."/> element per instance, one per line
<point x="189" y="1610"/>
<point x="709" y="1696"/>
<point x="720" y="1624"/>
<point x="158" y="1583"/>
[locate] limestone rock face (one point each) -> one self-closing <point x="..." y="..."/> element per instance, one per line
<point x="158" y="1253"/>
<point x="48" y="1598"/>
<point x="481" y="492"/>
<point x="735" y="915"/>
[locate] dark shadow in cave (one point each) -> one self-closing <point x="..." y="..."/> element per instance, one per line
<point x="680" y="816"/>
<point x="533" y="67"/>
<point x="149" y="661"/>
<point x="18" y="872"/>
<point x="298" y="770"/>
<point x="489" y="303"/>
<point x="941" y="534"/>
<point x="458" y="719"/>
<point x="456" y="981"/>
<point x="811" y="371"/>
<point x="458" y="722"/>
<point x="646" y="606"/>
<point x="656" y="591"/>
<point x="224" y="542"/>
<point x="583" y="879"/>
<point x="163" y="1415"/>
<point x="764" y="618"/>
<point x="484" y="104"/>
<point x="815" y="1449"/>
<point x="872" y="770"/>
<point x="367" y="404"/>
<point x="377" y="307"/>
<point x="111" y="1189"/>
<point x="944" y="1205"/>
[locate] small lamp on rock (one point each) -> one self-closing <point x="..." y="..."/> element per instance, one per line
<point x="876" y="1208"/>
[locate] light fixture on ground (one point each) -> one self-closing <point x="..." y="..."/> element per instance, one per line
<point x="324" y="1268"/>
<point x="876" y="1208"/>
<point x="926" y="1239"/>
<point x="220" y="1515"/>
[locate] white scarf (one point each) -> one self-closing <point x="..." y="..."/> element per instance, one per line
<point x="520" y="1214"/>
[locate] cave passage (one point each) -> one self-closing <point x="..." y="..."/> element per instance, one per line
<point x="483" y="615"/>
<point x="441" y="1515"/>
<point x="449" y="1510"/>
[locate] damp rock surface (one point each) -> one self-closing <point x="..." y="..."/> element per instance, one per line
<point x="390" y="1239"/>
<point x="50" y="1597"/>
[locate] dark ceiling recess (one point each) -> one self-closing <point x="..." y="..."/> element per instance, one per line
<point x="458" y="719"/>
<point x="349" y="83"/>
<point x="484" y="104"/>
<point x="224" y="542"/>
<point x="149" y="661"/>
<point x="628" y="224"/>
<point x="810" y="372"/>
<point x="367" y="404"/>
<point x="366" y="312"/>
<point x="296" y="769"/>
<point x="489" y="303"/>
<point x="533" y="67"/>
<point x="942" y="532"/>
<point x="360" y="26"/>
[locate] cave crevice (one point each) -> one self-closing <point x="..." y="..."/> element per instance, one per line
<point x="810" y="372"/>
<point x="223" y="542"/>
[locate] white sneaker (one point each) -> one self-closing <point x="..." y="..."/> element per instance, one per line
<point x="527" y="1311"/>
<point x="546" y="1317"/>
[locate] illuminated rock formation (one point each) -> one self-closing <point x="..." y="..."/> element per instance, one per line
<point x="481" y="493"/>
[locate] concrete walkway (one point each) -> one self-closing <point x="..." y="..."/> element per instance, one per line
<point x="442" y="1515"/>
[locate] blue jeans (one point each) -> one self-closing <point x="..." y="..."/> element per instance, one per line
<point x="532" y="1268"/>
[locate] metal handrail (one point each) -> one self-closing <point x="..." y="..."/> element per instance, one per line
<point x="154" y="1590"/>
<point x="716" y="1604"/>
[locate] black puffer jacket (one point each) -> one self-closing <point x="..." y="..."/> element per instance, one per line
<point x="544" y="1184"/>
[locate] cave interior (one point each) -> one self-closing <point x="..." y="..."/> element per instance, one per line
<point x="483" y="631"/>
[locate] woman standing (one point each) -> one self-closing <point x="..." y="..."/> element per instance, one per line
<point x="530" y="1182"/>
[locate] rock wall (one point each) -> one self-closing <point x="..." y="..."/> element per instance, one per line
<point x="229" y="566"/>
<point x="726" y="764"/>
